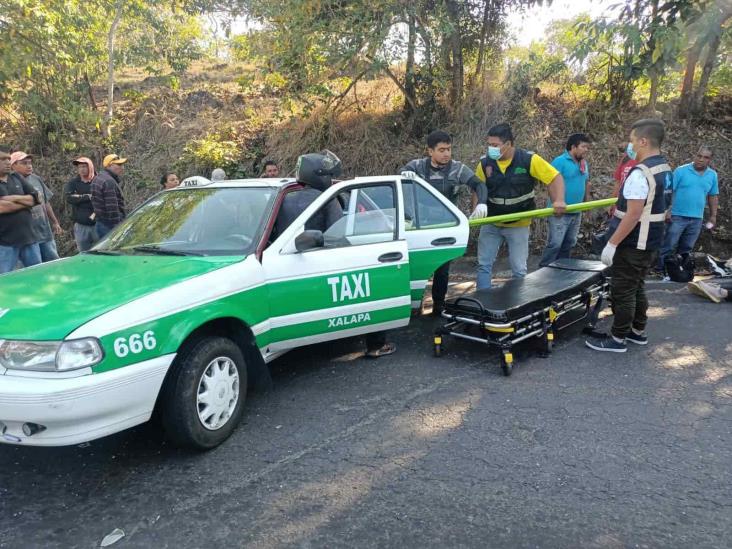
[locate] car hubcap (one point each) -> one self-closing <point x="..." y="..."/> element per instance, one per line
<point x="218" y="393"/>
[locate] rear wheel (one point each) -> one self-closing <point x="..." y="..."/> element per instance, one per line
<point x="204" y="398"/>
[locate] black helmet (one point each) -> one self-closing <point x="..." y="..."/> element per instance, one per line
<point x="317" y="169"/>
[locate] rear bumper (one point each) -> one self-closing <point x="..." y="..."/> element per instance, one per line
<point x="79" y="409"/>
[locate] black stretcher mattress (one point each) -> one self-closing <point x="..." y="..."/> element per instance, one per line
<point x="521" y="296"/>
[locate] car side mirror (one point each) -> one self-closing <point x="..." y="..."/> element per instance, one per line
<point x="309" y="240"/>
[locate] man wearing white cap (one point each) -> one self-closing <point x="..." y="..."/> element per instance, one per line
<point x="107" y="199"/>
<point x="45" y="223"/>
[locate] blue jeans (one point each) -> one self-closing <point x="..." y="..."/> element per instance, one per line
<point x="489" y="242"/>
<point x="28" y="255"/>
<point x="49" y="252"/>
<point x="681" y="235"/>
<point x="562" y="237"/>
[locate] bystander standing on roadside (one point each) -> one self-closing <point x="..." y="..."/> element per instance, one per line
<point x="575" y="170"/>
<point x="18" y="240"/>
<point x="45" y="222"/>
<point x="169" y="180"/>
<point x="621" y="172"/>
<point x="107" y="199"/>
<point x="271" y="169"/>
<point x="693" y="187"/>
<point x="78" y="195"/>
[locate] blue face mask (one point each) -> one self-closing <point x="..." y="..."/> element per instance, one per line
<point x="494" y="153"/>
<point x="630" y="151"/>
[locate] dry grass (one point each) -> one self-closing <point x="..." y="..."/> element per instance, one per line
<point x="365" y="128"/>
<point x="370" y="139"/>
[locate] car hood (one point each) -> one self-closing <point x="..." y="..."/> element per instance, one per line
<point x="49" y="301"/>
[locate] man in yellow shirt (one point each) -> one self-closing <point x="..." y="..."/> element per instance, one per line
<point x="510" y="173"/>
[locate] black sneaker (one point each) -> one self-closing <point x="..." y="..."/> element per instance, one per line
<point x="638" y="339"/>
<point x="609" y="344"/>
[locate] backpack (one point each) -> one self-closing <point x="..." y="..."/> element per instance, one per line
<point x="679" y="268"/>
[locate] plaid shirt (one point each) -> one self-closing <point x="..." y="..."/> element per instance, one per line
<point x="107" y="199"/>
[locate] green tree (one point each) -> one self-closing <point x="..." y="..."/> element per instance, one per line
<point x="642" y="40"/>
<point x="704" y="36"/>
<point x="435" y="41"/>
<point x="53" y="50"/>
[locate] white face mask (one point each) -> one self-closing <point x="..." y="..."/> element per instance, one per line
<point x="494" y="153"/>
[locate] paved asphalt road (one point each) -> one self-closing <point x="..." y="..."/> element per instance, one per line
<point x="579" y="450"/>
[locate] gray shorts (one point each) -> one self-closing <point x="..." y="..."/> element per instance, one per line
<point x="85" y="236"/>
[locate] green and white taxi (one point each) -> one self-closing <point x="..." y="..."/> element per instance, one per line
<point x="179" y="309"/>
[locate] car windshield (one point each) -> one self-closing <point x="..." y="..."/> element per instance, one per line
<point x="219" y="221"/>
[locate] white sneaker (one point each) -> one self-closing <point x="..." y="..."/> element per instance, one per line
<point x="712" y="291"/>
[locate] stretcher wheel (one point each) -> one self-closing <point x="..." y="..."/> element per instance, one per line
<point x="507" y="363"/>
<point x="438" y="346"/>
<point x="549" y="342"/>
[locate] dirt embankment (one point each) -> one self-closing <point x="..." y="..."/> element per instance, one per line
<point x="211" y="120"/>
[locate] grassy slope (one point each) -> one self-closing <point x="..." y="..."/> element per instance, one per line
<point x="365" y="129"/>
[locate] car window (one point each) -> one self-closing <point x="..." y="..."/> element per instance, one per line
<point x="423" y="210"/>
<point x="367" y="215"/>
<point x="220" y="221"/>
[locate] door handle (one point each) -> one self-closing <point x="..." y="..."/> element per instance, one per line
<point x="446" y="241"/>
<point x="390" y="257"/>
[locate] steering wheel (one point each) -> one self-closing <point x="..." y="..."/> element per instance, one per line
<point x="240" y="238"/>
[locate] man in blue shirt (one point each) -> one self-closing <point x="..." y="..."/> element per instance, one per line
<point x="694" y="185"/>
<point x="572" y="164"/>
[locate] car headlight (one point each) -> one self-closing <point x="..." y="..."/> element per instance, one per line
<point x="29" y="355"/>
<point x="49" y="356"/>
<point x="78" y="353"/>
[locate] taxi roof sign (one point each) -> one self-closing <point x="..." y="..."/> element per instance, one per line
<point x="195" y="181"/>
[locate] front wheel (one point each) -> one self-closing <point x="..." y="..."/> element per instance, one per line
<point x="204" y="398"/>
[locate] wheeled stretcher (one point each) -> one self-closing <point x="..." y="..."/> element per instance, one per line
<point x="537" y="306"/>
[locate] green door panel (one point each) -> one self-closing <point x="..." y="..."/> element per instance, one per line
<point x="323" y="291"/>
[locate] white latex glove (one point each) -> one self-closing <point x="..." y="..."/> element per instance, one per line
<point x="608" y="252"/>
<point x="480" y="211"/>
<point x="409" y="175"/>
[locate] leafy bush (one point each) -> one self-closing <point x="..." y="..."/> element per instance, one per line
<point x="274" y="82"/>
<point x="213" y="151"/>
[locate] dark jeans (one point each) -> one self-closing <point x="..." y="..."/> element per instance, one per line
<point x="681" y="235"/>
<point x="627" y="289"/>
<point x="103" y="230"/>
<point x="439" y="283"/>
